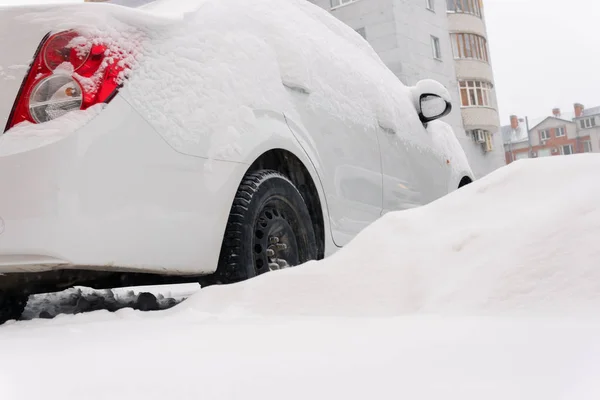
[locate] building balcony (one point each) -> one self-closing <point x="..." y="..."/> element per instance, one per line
<point x="467" y="68"/>
<point x="485" y="118"/>
<point x="464" y="22"/>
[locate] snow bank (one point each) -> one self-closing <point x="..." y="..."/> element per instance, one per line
<point x="522" y="240"/>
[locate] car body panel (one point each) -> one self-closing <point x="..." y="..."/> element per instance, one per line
<point x="414" y="169"/>
<point x="446" y="142"/>
<point x="347" y="153"/>
<point x="114" y="193"/>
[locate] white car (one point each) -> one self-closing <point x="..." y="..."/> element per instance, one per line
<point x="215" y="138"/>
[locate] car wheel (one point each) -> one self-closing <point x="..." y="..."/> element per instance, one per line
<point x="11" y="306"/>
<point x="269" y="228"/>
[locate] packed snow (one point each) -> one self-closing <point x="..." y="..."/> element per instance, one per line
<point x="199" y="86"/>
<point x="491" y="292"/>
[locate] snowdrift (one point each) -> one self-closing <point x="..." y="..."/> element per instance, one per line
<point x="522" y="240"/>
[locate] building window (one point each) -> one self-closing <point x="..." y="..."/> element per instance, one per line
<point x="587" y="146"/>
<point x="544" y="134"/>
<point x="560" y="132"/>
<point x="588" y="123"/>
<point x="566" y="150"/>
<point x="437" y="50"/>
<point x="521" y="155"/>
<point x="362" y="32"/>
<point x="431" y="5"/>
<point x="476" y="94"/>
<point x="465" y="6"/>
<point x="470" y="46"/>
<point x="337" y="3"/>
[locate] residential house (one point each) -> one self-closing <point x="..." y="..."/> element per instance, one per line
<point x="516" y="139"/>
<point x="588" y="125"/>
<point x="553" y="135"/>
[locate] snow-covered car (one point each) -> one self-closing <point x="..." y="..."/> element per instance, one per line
<point x="219" y="138"/>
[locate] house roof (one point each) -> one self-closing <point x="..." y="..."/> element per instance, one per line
<point x="562" y="119"/>
<point x="591" y="111"/>
<point x="533" y="122"/>
<point x="510" y="135"/>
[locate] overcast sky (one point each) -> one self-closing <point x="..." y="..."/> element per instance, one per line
<point x="544" y="53"/>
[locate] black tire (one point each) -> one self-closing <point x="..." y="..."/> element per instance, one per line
<point x="267" y="206"/>
<point x="11" y="306"/>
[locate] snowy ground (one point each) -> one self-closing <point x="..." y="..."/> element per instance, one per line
<point x="489" y="293"/>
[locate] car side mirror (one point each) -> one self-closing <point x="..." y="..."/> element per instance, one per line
<point x="431" y="100"/>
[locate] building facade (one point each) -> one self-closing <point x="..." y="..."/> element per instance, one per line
<point x="588" y="126"/>
<point x="444" y="40"/>
<point x="553" y="135"/>
<point x="473" y="65"/>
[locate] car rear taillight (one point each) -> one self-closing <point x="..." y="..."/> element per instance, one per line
<point x="69" y="72"/>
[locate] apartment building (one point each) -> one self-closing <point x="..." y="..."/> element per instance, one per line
<point x="472" y="60"/>
<point x="554" y="135"/>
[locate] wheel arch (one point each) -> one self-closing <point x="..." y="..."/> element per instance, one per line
<point x="293" y="168"/>
<point x="465" y="180"/>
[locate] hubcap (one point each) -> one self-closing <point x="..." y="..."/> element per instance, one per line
<point x="275" y="245"/>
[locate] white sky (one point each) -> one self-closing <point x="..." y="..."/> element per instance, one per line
<point x="544" y="53"/>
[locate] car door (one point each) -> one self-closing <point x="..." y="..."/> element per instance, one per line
<point x="414" y="167"/>
<point x="349" y="160"/>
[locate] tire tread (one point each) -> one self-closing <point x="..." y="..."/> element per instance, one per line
<point x="231" y="249"/>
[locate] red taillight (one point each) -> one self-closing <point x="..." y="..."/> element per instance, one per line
<point x="69" y="72"/>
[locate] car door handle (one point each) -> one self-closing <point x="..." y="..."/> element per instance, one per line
<point x="386" y="129"/>
<point x="296" y="88"/>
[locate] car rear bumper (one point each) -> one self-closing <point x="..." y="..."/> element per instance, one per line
<point x="113" y="195"/>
